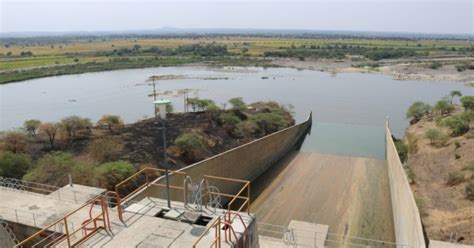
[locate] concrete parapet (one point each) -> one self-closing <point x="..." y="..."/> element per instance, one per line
<point x="406" y="217"/>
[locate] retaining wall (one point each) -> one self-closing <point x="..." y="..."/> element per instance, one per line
<point x="406" y="217"/>
<point x="245" y="162"/>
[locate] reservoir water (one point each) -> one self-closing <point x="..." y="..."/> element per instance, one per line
<point x="349" y="110"/>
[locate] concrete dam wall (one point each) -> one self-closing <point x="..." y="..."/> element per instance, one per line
<point x="246" y="162"/>
<point x="406" y="217"/>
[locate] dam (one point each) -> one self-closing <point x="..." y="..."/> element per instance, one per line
<point x="283" y="190"/>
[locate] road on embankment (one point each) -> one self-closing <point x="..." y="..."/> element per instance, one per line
<point x="350" y="194"/>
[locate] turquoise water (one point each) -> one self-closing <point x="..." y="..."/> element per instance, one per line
<point x="346" y="139"/>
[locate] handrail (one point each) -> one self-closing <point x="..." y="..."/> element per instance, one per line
<point x="217" y="239"/>
<point x="118" y="203"/>
<point x="64" y="221"/>
<point x="147" y="183"/>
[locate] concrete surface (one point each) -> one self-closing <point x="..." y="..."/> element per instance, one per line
<point x="349" y="194"/>
<point x="309" y="234"/>
<point x="6" y="240"/>
<point x="143" y="229"/>
<point x="406" y="216"/>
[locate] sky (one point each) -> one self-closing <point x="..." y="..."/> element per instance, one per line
<point x="424" y="16"/>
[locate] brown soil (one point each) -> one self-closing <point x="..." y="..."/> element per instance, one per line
<point x="445" y="210"/>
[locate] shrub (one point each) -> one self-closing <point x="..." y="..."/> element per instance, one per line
<point x="455" y="178"/>
<point x="457" y="155"/>
<point x="444" y="107"/>
<point x="31" y="126"/>
<point x="402" y="150"/>
<point x="435" y="65"/>
<point x="229" y="118"/>
<point x="14" y="165"/>
<point x="468" y="117"/>
<point x="417" y="110"/>
<point x="468" y="102"/>
<point x="246" y="129"/>
<point x="436" y="137"/>
<point x="410" y="174"/>
<point x="53" y="169"/>
<point x="113" y="122"/>
<point x="105" y="149"/>
<point x="456" y="124"/>
<point x="469" y="167"/>
<point x="111" y="173"/>
<point x="269" y="122"/>
<point x="469" y="191"/>
<point x="190" y="140"/>
<point x="237" y="103"/>
<point x="457" y="144"/>
<point x="15" y="141"/>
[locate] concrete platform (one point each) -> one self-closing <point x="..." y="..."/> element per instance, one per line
<point x="309" y="234"/>
<point x="349" y="194"/>
<point x="441" y="244"/>
<point x="143" y="229"/>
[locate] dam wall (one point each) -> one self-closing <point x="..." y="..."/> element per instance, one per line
<point x="245" y="162"/>
<point x="406" y="217"/>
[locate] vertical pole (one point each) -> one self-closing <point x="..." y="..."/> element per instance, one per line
<point x="166" y="165"/>
<point x="16" y="215"/>
<point x="248" y="198"/>
<point x="67" y="233"/>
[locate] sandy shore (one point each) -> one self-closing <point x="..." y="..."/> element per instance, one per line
<point x="399" y="69"/>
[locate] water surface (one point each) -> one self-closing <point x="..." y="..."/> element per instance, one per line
<point x="345" y="100"/>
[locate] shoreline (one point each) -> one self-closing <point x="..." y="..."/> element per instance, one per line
<point x="398" y="69"/>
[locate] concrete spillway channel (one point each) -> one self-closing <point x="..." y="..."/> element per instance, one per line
<point x="349" y="194"/>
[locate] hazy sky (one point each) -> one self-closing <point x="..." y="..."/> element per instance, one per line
<point x="442" y="16"/>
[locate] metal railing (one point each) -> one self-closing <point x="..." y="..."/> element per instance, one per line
<point x="292" y="237"/>
<point x="145" y="179"/>
<point x="216" y="224"/>
<point x="62" y="230"/>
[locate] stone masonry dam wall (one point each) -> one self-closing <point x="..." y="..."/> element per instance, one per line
<point x="406" y="217"/>
<point x="245" y="162"/>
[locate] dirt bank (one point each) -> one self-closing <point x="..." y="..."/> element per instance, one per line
<point x="445" y="210"/>
<point x="403" y="69"/>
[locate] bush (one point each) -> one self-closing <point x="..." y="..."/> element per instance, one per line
<point x="469" y="191"/>
<point x="468" y="102"/>
<point x="456" y="124"/>
<point x="269" y="122"/>
<point x="417" y="110"/>
<point x="15" y="141"/>
<point x="237" y="103"/>
<point x="436" y="137"/>
<point x="402" y="150"/>
<point x="53" y="169"/>
<point x="229" y="118"/>
<point x="31" y="126"/>
<point x="111" y="173"/>
<point x="105" y="149"/>
<point x="457" y="155"/>
<point x="189" y="141"/>
<point x="455" y="178"/>
<point x="444" y="107"/>
<point x="469" y="167"/>
<point x="14" y="165"/>
<point x="435" y="65"/>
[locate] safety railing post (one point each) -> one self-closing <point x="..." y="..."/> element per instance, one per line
<point x="34" y="218"/>
<point x="16" y="215"/>
<point x="67" y="232"/>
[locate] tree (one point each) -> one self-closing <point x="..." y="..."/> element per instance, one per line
<point x="105" y="149"/>
<point x="113" y="122"/>
<point x="31" y="126"/>
<point x="52" y="168"/>
<point x="456" y="124"/>
<point x="453" y="94"/>
<point x="468" y="102"/>
<point x="436" y="137"/>
<point x="193" y="102"/>
<point x="444" y="107"/>
<point x="72" y="124"/>
<point x="50" y="129"/>
<point x="468" y="117"/>
<point x="269" y="122"/>
<point x="417" y="110"/>
<point x="15" y="141"/>
<point x="14" y="165"/>
<point x="237" y="103"/>
<point x="111" y="173"/>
